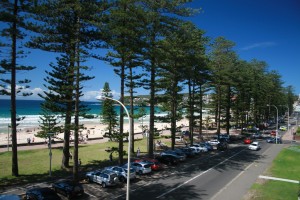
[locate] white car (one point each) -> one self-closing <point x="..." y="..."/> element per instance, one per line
<point x="214" y="142"/>
<point x="199" y="147"/>
<point x="283" y="128"/>
<point x="254" y="146"/>
<point x="178" y="139"/>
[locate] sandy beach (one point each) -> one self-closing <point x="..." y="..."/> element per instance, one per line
<point x="92" y="130"/>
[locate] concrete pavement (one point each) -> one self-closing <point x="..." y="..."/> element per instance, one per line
<point x="240" y="185"/>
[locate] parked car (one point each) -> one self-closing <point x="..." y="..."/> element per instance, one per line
<point x="222" y="146"/>
<point x="122" y="172"/>
<point x="273" y="133"/>
<point x="155" y="164"/>
<point x="257" y="135"/>
<point x="10" y="197"/>
<point x="104" y="178"/>
<point x="254" y="146"/>
<point x="248" y="140"/>
<point x="208" y="146"/>
<point x="169" y="159"/>
<point x="178" y="139"/>
<point x="140" y="167"/>
<point x="200" y="146"/>
<point x="225" y="137"/>
<point x="214" y="142"/>
<point x="180" y="155"/>
<point x="195" y="149"/>
<point x="273" y="140"/>
<point x="43" y="193"/>
<point x="69" y="189"/>
<point x="189" y="152"/>
<point x="283" y="128"/>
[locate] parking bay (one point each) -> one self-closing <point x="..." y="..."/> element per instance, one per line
<point x="197" y="178"/>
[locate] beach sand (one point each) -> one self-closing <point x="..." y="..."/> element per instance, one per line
<point x="93" y="130"/>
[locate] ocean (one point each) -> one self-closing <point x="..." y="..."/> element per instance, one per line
<point x="30" y="109"/>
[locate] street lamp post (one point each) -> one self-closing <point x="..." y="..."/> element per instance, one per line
<point x="288" y="126"/>
<point x="101" y="97"/>
<point x="276" y="121"/>
<point x="50" y="152"/>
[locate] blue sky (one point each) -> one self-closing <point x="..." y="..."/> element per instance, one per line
<point x="267" y="30"/>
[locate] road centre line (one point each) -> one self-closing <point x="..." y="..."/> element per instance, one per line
<point x="204" y="172"/>
<point x="231" y="181"/>
<point x="237" y="176"/>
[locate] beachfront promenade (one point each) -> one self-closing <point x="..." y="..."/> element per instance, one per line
<point x="94" y="138"/>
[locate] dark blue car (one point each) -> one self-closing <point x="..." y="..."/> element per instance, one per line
<point x="41" y="194"/>
<point x="273" y="140"/>
<point x="69" y="189"/>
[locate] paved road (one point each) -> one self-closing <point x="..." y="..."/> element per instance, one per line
<point x="227" y="175"/>
<point x="220" y="175"/>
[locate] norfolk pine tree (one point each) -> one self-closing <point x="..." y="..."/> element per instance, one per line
<point x="64" y="27"/>
<point x="109" y="115"/>
<point x="159" y="17"/>
<point x="12" y="15"/>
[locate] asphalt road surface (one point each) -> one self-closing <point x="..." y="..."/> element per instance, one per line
<point x="217" y="175"/>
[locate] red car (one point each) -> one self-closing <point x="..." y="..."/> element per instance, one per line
<point x="248" y="141"/>
<point x="155" y="164"/>
<point x="273" y="133"/>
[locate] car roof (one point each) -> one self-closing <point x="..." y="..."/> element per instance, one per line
<point x="107" y="171"/>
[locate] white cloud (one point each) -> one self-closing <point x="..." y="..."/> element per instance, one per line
<point x="87" y="95"/>
<point x="259" y="45"/>
<point x="90" y="95"/>
<point x="34" y="91"/>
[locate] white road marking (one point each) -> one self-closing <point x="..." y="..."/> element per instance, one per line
<point x="231" y="181"/>
<point x="90" y="194"/>
<point x="279" y="179"/>
<point x="197" y="175"/>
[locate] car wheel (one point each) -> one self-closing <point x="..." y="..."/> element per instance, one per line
<point x="122" y="179"/>
<point x="103" y="184"/>
<point x="140" y="172"/>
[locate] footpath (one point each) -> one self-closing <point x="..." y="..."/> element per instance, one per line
<point x="240" y="185"/>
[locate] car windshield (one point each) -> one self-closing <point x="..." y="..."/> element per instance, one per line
<point x="131" y="170"/>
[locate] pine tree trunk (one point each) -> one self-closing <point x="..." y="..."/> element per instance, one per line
<point x="228" y="107"/>
<point x="121" y="149"/>
<point x="131" y="128"/>
<point x="152" y="110"/>
<point x="77" y="95"/>
<point x="218" y="110"/>
<point x="15" y="168"/>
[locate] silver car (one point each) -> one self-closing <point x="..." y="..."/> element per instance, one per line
<point x="122" y="172"/>
<point x="140" y="167"/>
<point x="104" y="178"/>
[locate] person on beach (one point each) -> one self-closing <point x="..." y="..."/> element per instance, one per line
<point x="138" y="152"/>
<point x="111" y="157"/>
